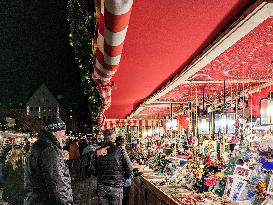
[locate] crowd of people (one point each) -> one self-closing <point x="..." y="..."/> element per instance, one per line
<point x="41" y="173"/>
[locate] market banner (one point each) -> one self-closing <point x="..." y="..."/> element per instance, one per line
<point x="182" y="121"/>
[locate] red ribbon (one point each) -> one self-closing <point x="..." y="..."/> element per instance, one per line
<point x="102" y="87"/>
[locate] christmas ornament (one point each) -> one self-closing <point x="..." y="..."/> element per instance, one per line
<point x="222" y="183"/>
<point x="210" y="181"/>
<point x="246" y="157"/>
<point x="219" y="192"/>
<point x="220" y="175"/>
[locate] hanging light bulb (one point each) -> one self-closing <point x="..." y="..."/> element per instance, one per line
<point x="171" y="124"/>
<point x="204" y="126"/>
<point x="267" y="110"/>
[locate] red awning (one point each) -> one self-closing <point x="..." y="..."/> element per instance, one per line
<point x="163" y="37"/>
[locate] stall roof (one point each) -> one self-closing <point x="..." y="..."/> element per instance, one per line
<point x="163" y="37"/>
<point x="242" y="57"/>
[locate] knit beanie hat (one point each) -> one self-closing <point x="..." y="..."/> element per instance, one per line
<point x="53" y="124"/>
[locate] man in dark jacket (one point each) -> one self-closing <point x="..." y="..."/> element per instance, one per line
<point x="112" y="170"/>
<point x="47" y="179"/>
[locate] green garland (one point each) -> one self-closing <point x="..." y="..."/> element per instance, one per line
<point x="82" y="20"/>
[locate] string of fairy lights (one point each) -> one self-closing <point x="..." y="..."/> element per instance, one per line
<point x="82" y="20"/>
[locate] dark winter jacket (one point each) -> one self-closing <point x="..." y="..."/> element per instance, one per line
<point x="47" y="179"/>
<point x="114" y="168"/>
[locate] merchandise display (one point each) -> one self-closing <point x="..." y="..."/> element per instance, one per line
<point x="205" y="135"/>
<point x="208" y="171"/>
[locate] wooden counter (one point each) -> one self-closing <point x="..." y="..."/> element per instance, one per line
<point x="143" y="192"/>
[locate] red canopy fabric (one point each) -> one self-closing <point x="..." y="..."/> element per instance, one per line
<point x="162" y="38"/>
<point x="112" y="28"/>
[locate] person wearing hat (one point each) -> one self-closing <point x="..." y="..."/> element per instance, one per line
<point x="47" y="179"/>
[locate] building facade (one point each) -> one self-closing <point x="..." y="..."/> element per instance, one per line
<point x="43" y="104"/>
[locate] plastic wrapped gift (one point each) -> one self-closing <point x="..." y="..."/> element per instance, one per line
<point x="246" y="202"/>
<point x="268" y="202"/>
<point x="248" y="193"/>
<point x="268" y="165"/>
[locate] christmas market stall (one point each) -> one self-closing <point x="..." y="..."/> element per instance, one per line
<point x="206" y="136"/>
<point x="203" y="134"/>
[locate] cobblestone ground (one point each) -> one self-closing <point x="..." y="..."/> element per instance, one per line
<point x="84" y="191"/>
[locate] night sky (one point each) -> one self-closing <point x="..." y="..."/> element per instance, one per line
<point x="35" y="50"/>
